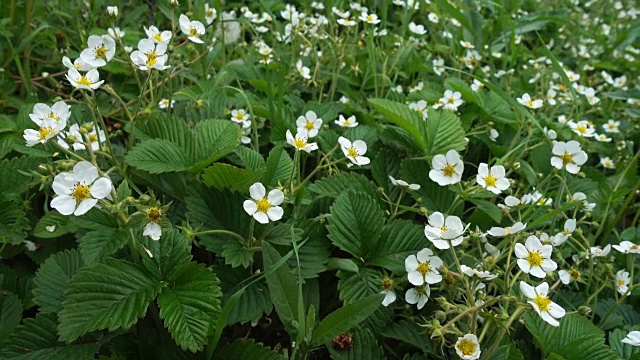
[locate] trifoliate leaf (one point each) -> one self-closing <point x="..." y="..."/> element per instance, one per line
<point x="108" y="295"/>
<point x="52" y="279"/>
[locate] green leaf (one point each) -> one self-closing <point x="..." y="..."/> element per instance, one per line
<point x="343" y="264"/>
<point x="345" y="318"/>
<point x="250" y="158"/>
<point x="247" y="349"/>
<point x="108" y="295"/>
<point x="334" y="186"/>
<point x="158" y="156"/>
<point x="214" y="139"/>
<point x="254" y="301"/>
<point x="60" y="224"/>
<point x="444" y="132"/>
<point x="407" y="119"/>
<point x="36" y="339"/>
<point x="506" y="352"/>
<point x="552" y="339"/>
<point x="170" y="252"/>
<point x="97" y="245"/>
<point x="401" y="238"/>
<point x="283" y="289"/>
<point x="225" y="176"/>
<point x="409" y="333"/>
<point x="623" y="95"/>
<point x="355" y="223"/>
<point x="489" y="208"/>
<point x="279" y="167"/>
<point x="590" y="347"/>
<point x="52" y="279"/>
<point x="354" y="286"/>
<point x="235" y="254"/>
<point x="190" y="304"/>
<point x="10" y="314"/>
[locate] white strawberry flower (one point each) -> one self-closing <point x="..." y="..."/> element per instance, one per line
<point x="263" y="207"/>
<point x="80" y="190"/>
<point x="597" y="251"/>
<point x="347" y="122"/>
<point x="309" y="122"/>
<point x="404" y="184"/>
<point x="369" y="18"/>
<point x="100" y="50"/>
<point x="155" y="35"/>
<point x="58" y="112"/>
<point x="446" y="169"/>
<point x="89" y="81"/>
<point x="417" y="29"/>
<point x="632" y="338"/>
<point x="423" y="268"/>
<point x="48" y="128"/>
<point x="301" y="141"/>
<point x="444" y="232"/>
<point x="304" y="71"/>
<point x="192" y="28"/>
<point x="568" y="155"/>
<point x="568" y="229"/>
<point x="492" y="179"/>
<point x="542" y="304"/>
<point x="507" y="230"/>
<point x="535" y="258"/>
<point x="210" y="14"/>
<point x="150" y="55"/>
<point x="530" y="103"/>
<point x="627" y="247"/>
<point x="622" y="282"/>
<point x="78" y="64"/>
<point x="468" y="347"/>
<point x="354" y="151"/>
<point x="418" y="295"/>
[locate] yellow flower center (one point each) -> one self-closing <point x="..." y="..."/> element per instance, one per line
<point x="466" y="347"/>
<point x="607" y="164"/>
<point x="542" y="302"/>
<point x="621" y="283"/>
<point x="44" y="133"/>
<point x="581" y="129"/>
<point x="263" y="205"/>
<point x="153" y="214"/>
<point x="530" y="103"/>
<point x="92" y="137"/>
<point x="84" y="81"/>
<point x="633" y="247"/>
<point x="209" y="13"/>
<point x="575" y="274"/>
<point x="53" y="115"/>
<point x="300" y="143"/>
<point x="420" y="290"/>
<point x="448" y="170"/>
<point x="309" y="125"/>
<point x="567" y="158"/>
<point x="152" y="58"/>
<point x="387" y="284"/>
<point x="347" y="122"/>
<point x="369" y="18"/>
<point x="157" y="37"/>
<point x="490" y="180"/>
<point x="423" y="268"/>
<point x="534" y="258"/>
<point x="452" y="100"/>
<point x="507" y="229"/>
<point x="490" y="259"/>
<point x="193" y="32"/>
<point x="444" y="228"/>
<point x="101" y="52"/>
<point x="80" y="192"/>
<point x="352" y="152"/>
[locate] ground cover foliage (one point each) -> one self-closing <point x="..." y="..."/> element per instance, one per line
<point x="387" y="179"/>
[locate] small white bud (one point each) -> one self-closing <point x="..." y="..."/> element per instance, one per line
<point x="112" y="11"/>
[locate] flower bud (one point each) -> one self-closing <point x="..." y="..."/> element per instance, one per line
<point x="174" y="3"/>
<point x="584" y="310"/>
<point x="112" y="11"/>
